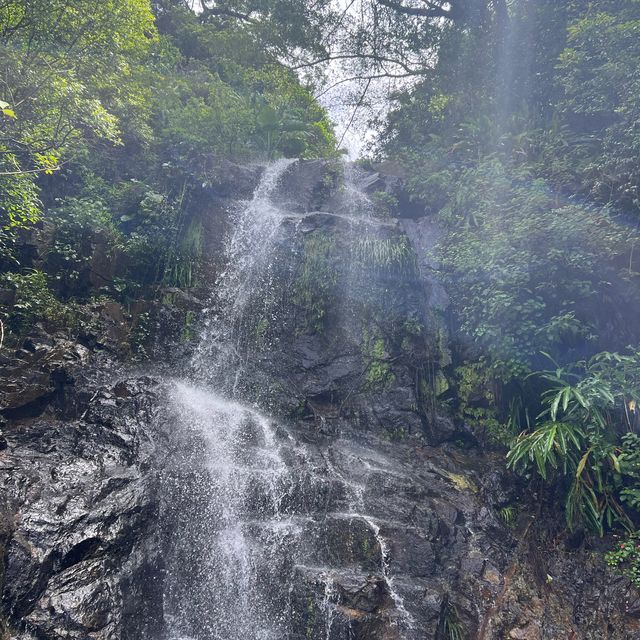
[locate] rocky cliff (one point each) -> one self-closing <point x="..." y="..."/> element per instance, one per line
<point x="388" y="519"/>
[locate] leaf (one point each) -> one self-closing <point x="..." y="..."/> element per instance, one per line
<point x="608" y="395"/>
<point x="616" y="462"/>
<point x="582" y="463"/>
<point x="580" y="398"/>
<point x="554" y="405"/>
<point x="10" y="113"/>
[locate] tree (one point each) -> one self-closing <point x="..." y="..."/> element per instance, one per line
<point x="67" y="72"/>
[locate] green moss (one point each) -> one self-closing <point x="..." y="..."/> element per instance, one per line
<point x="168" y="298"/>
<point x="260" y="331"/>
<point x="139" y="336"/>
<point x="314" y="286"/>
<point x="187" y="328"/>
<point x="378" y="350"/>
<point x="311" y="618"/>
<point x="378" y="374"/>
<point x="441" y="384"/>
<point x="477" y="401"/>
<point x="396" y="435"/>
<point x="461" y="483"/>
<point x="299" y="409"/>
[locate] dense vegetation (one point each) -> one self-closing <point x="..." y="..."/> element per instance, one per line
<point x="523" y="141"/>
<point x="114" y="117"/>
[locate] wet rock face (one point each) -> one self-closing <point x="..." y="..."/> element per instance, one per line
<point x="78" y="500"/>
<point x="402" y="536"/>
<point x="385" y="529"/>
<point x="342" y="324"/>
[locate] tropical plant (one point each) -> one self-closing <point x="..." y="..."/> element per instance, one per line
<point x="585" y="438"/>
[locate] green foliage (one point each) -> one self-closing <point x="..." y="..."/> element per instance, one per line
<point x="378" y="374"/>
<point x="452" y="628"/>
<point x="187" y="333"/>
<point x="34" y="302"/>
<point x="390" y="254"/>
<point x="76" y="224"/>
<point x="260" y="332"/>
<point x="314" y="285"/>
<point x="140" y="336"/>
<point x="508" y="515"/>
<point x="599" y="72"/>
<point x="19" y="202"/>
<point x="68" y="72"/>
<point x="529" y="271"/>
<point x="114" y="116"/>
<point x="385" y="204"/>
<point x="585" y="437"/>
<point x="626" y="558"/>
<point x="223" y="92"/>
<point x="184" y="257"/>
<point x="523" y="140"/>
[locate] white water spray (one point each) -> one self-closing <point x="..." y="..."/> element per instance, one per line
<point x="240" y="498"/>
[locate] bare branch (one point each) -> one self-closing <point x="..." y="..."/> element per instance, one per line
<point x="225" y="11"/>
<point x="359" y="56"/>
<point x="375" y="76"/>
<point x="355" y="110"/>
<point x="430" y="11"/>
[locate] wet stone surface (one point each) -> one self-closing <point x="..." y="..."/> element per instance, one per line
<point x="332" y="503"/>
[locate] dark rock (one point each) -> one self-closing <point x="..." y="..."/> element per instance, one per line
<point x="105" y="262"/>
<point x="224" y="179"/>
<point x="306" y="185"/>
<point x="81" y="502"/>
<point x="38" y="376"/>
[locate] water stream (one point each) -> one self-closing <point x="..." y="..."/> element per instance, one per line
<point x="248" y="508"/>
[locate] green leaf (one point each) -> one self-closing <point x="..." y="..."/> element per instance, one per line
<point x="616" y="462"/>
<point x="582" y="463"/>
<point x="555" y="405"/>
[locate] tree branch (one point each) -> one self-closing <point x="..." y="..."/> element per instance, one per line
<point x="359" y="56"/>
<point x="224" y="11"/>
<point x="375" y="76"/>
<point x="355" y="110"/>
<point x="431" y="11"/>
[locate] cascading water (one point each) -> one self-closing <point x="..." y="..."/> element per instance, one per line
<point x="248" y="511"/>
<point x="248" y="255"/>
<point x="240" y="480"/>
<point x="228" y="462"/>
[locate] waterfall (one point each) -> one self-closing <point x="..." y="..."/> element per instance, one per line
<point x="234" y="531"/>
<point x="248" y="510"/>
<point x="248" y="252"/>
<point x="228" y="474"/>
